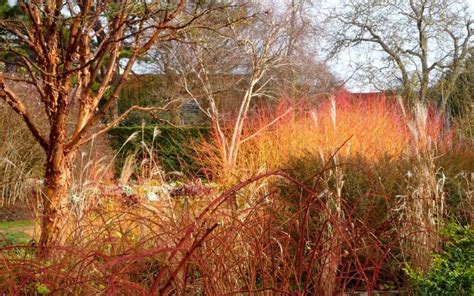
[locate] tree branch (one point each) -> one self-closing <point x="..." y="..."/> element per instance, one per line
<point x="12" y="100"/>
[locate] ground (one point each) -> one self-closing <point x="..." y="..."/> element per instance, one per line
<point x="16" y="226"/>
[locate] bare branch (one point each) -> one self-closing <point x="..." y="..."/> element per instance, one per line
<point x="14" y="102"/>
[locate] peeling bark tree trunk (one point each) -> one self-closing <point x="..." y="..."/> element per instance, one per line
<point x="55" y="201"/>
<point x="57" y="182"/>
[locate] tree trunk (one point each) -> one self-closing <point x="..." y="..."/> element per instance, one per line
<point x="57" y="182"/>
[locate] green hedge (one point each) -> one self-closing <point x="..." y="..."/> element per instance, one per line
<point x="172" y="144"/>
<point x="452" y="270"/>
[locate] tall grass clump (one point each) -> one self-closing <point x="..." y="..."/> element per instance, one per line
<point x="359" y="137"/>
<point x="376" y="127"/>
<point x="21" y="159"/>
<point x="424" y="202"/>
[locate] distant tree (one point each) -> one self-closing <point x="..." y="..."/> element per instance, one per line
<point x="11" y="12"/>
<point x="239" y="56"/>
<point x="418" y="40"/>
<point x="263" y="55"/>
<point x="307" y="75"/>
<point x="461" y="92"/>
<point x="70" y="52"/>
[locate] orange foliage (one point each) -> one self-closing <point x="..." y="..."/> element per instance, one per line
<point x="374" y="126"/>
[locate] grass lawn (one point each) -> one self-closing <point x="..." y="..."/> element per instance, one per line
<point x="15" y="232"/>
<point x="7" y="225"/>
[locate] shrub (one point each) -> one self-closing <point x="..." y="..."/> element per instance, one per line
<point x="452" y="271"/>
<point x="173" y="145"/>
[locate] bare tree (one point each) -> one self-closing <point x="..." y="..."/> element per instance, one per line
<point x="418" y="39"/>
<point x="307" y="75"/>
<point x="262" y="54"/>
<point x="70" y="51"/>
<point x="461" y="100"/>
<point x="234" y="61"/>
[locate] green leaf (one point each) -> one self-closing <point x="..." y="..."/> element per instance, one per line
<point x="42" y="289"/>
